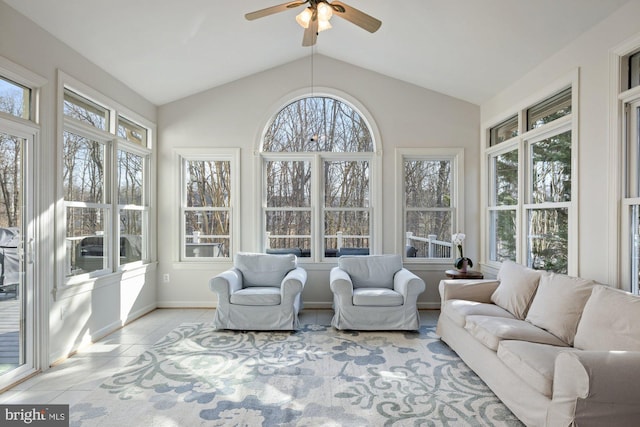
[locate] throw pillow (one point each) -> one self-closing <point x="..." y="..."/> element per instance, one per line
<point x="517" y="286"/>
<point x="558" y="304"/>
<point x="610" y="321"/>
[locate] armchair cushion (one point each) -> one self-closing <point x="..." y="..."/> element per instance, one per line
<point x="376" y="297"/>
<point x="264" y="269"/>
<point x="372" y="271"/>
<point x="257" y="295"/>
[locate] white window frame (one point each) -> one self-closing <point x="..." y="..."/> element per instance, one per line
<point x="317" y="191"/>
<point x="112" y="143"/>
<point x="622" y="131"/>
<point x="231" y="155"/>
<point x="456" y="157"/>
<point x="522" y="141"/>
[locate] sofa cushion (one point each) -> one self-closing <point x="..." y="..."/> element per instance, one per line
<point x="558" y="304"/>
<point x="517" y="286"/>
<point x="378" y="297"/>
<point x="458" y="310"/>
<point x="256" y="295"/>
<point x="264" y="269"/>
<point x="532" y="362"/>
<point x="491" y="330"/>
<point x="610" y="321"/>
<point x="371" y="271"/>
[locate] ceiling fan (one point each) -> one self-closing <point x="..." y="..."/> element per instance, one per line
<point x="315" y="17"/>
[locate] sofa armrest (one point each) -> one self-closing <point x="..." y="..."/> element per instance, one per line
<point x="595" y="388"/>
<point x="408" y="284"/>
<point x="341" y="286"/>
<point x="470" y="290"/>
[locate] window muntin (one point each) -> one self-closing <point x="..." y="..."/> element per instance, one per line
<point x="549" y="110"/>
<point x="15" y="99"/>
<point x="206" y="213"/>
<point x="503" y="131"/>
<point x="316" y="203"/>
<point x="86" y="111"/>
<point x="132" y="132"/>
<point x="429" y="206"/>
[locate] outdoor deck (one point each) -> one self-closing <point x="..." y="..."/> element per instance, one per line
<point x="9" y="332"/>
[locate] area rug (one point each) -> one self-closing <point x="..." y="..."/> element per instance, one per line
<point x="317" y="376"/>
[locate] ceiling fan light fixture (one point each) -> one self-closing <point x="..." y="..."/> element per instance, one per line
<point x="325" y="12"/>
<point x="323" y="25"/>
<point x="304" y="17"/>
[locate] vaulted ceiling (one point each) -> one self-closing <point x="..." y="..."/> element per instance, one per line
<point x="169" y="49"/>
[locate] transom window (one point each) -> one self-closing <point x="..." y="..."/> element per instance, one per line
<point x="318" y="164"/>
<point x="15" y="99"/>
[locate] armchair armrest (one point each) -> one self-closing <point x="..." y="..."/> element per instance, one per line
<point x="595" y="388"/>
<point x="341" y="285"/>
<point x="292" y="285"/>
<point x="226" y="283"/>
<point x="408" y="284"/>
<point x="470" y="290"/>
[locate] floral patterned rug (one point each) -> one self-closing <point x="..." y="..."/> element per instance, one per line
<point x="317" y="376"/>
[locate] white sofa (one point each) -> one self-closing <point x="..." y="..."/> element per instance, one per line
<point x="557" y="350"/>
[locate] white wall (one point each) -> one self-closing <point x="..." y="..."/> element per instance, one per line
<point x="234" y="115"/>
<point x="590" y="54"/>
<point x="84" y="312"/>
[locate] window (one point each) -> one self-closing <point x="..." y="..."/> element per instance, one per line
<point x="530" y="203"/>
<point x="631" y="196"/>
<point x="209" y="179"/>
<point x="15" y="99"/>
<point x="504" y="131"/>
<point x="431" y="186"/>
<point x="318" y="167"/>
<point x="105" y="185"/>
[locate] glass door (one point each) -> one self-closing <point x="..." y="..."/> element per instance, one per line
<point x="16" y="255"/>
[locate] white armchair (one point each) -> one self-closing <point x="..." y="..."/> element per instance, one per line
<point x="260" y="292"/>
<point x="375" y="292"/>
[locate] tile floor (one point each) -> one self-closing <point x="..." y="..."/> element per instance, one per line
<point x="70" y="381"/>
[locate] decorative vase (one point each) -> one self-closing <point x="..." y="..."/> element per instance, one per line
<point x="464" y="266"/>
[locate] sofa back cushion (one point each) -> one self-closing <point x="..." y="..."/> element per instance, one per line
<point x="371" y="271"/>
<point x="517" y="286"/>
<point x="264" y="269"/>
<point x="558" y="304"/>
<point x="610" y="321"/>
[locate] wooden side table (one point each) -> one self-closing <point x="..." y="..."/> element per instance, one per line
<point x="470" y="274"/>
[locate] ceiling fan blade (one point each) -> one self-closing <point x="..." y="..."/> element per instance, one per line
<point x="310" y="33"/>
<point x="355" y="16"/>
<point x="273" y="9"/>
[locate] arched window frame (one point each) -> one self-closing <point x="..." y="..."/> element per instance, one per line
<point x="316" y="160"/>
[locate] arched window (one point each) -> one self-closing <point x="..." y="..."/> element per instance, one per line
<point x="317" y="166"/>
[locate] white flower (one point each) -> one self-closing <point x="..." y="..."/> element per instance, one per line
<point x="458" y="238"/>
